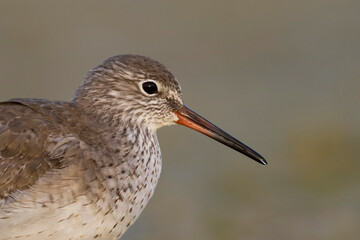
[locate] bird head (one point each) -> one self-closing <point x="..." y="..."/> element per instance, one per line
<point x="132" y="89"/>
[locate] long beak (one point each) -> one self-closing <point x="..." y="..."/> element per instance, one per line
<point x="193" y="120"/>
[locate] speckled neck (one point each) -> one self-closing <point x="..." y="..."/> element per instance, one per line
<point x="132" y="175"/>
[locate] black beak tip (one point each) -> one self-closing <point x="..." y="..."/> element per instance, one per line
<point x="263" y="161"/>
<point x="259" y="159"/>
<point x="254" y="156"/>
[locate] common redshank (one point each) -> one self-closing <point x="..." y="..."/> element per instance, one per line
<point x="85" y="169"/>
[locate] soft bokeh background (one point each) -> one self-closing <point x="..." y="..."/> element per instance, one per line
<point x="283" y="76"/>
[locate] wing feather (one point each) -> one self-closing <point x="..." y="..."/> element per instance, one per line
<point x="30" y="146"/>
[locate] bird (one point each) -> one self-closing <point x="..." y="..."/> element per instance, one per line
<point x="86" y="168"/>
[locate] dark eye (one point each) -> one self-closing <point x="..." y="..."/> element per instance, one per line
<point x="150" y="87"/>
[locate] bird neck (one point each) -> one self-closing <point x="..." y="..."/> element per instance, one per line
<point x="130" y="170"/>
<point x="136" y="140"/>
<point x="126" y="138"/>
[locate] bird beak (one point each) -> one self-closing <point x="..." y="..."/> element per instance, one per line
<point x="193" y="120"/>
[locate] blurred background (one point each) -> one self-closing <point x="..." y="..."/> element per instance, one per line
<point x="282" y="76"/>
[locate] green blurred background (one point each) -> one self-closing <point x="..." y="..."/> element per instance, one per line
<point x="282" y="76"/>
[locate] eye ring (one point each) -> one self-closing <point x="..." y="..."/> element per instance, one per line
<point x="150" y="87"/>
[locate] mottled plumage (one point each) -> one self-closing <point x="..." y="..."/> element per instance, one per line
<point x="85" y="169"/>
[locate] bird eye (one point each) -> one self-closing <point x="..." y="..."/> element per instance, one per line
<point x="150" y="87"/>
